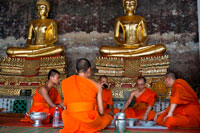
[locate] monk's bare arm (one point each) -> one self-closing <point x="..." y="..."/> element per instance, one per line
<point x="157" y="114"/>
<point x="62" y="105"/>
<point x="99" y="98"/>
<point x="128" y="101"/>
<point x="43" y="91"/>
<point x="171" y="109"/>
<point x="145" y="116"/>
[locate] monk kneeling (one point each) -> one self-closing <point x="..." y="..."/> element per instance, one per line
<point x="82" y="98"/>
<point x="46" y="98"/>
<point x="144" y="100"/>
<point x="107" y="97"/>
<point x="184" y="108"/>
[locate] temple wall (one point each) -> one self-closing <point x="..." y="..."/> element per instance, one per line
<point x="85" y="25"/>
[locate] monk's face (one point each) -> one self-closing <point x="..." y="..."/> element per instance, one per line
<point x="140" y="84"/>
<point x="104" y="82"/>
<point x="168" y="82"/>
<point x="55" y="79"/>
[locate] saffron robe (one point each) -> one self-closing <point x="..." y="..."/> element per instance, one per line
<point x="81" y="114"/>
<point x="187" y="111"/>
<point x="40" y="105"/>
<point x="148" y="97"/>
<point x="107" y="100"/>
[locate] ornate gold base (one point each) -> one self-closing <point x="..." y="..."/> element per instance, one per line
<point x="31" y="66"/>
<point x="22" y="76"/>
<point x="16" y="85"/>
<point x="132" y="67"/>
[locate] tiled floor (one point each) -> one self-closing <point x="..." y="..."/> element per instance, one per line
<point x="13" y="125"/>
<point x="28" y="130"/>
<point x="15" y="129"/>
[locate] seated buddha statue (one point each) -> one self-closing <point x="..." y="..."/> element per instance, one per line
<point x="42" y="35"/>
<point x="131" y="42"/>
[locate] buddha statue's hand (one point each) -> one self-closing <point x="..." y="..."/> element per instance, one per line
<point x="37" y="46"/>
<point x="125" y="45"/>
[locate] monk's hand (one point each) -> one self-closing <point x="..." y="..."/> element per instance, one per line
<point x="145" y="116"/>
<point x="168" y="115"/>
<point x="155" y="117"/>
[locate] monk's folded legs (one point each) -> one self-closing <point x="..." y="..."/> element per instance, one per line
<point x="178" y="121"/>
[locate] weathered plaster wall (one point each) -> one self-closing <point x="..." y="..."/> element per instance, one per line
<point x="85" y="25"/>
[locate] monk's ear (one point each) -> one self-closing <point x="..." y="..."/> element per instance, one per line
<point x="89" y="69"/>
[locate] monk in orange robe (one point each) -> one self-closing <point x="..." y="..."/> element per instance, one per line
<point x="82" y="98"/>
<point x="46" y="98"/>
<point x="107" y="96"/>
<point x="144" y="100"/>
<point x="184" y="108"/>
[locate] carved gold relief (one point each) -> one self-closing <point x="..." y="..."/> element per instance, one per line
<point x="129" y="67"/>
<point x="23" y="83"/>
<point x="22" y="66"/>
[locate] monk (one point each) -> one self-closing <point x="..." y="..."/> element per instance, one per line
<point x="47" y="98"/>
<point x="144" y="99"/>
<point x="184" y="108"/>
<point x="82" y="98"/>
<point x="107" y="96"/>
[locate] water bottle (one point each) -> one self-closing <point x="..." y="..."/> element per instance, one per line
<point x="56" y="118"/>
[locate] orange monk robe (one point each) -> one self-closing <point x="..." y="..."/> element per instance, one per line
<point x="107" y="100"/>
<point x="40" y="105"/>
<point x="148" y="97"/>
<point x="187" y="111"/>
<point x="80" y="100"/>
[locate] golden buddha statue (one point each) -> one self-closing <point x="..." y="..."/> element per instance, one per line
<point x="44" y="32"/>
<point x="132" y="41"/>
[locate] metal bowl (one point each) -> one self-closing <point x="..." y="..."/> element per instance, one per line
<point x="147" y="123"/>
<point x="37" y="117"/>
<point x="131" y="121"/>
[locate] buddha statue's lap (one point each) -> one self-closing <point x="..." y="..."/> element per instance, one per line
<point x="44" y="32"/>
<point x="134" y="36"/>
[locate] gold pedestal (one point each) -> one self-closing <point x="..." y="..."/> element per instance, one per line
<point x="15" y="85"/>
<point x="123" y="72"/>
<point x="31" y="66"/>
<point x="20" y="75"/>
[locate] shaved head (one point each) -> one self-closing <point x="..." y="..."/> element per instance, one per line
<point x="171" y="75"/>
<point x="170" y="78"/>
<point x="82" y="65"/>
<point x="52" y="73"/>
<point x="142" y="78"/>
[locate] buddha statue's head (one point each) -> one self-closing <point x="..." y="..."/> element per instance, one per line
<point x="43" y="8"/>
<point x="130" y="5"/>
